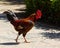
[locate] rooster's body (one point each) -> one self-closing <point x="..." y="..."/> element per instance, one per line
<point x="22" y="25"/>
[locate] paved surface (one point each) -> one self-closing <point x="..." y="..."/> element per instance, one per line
<point x="39" y="36"/>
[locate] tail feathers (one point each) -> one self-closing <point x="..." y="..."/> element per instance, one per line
<point x="10" y="15"/>
<point x="14" y="15"/>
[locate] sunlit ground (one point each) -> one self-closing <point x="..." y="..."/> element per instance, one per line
<point x="5" y="5"/>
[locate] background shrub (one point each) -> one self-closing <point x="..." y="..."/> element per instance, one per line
<point x="49" y="8"/>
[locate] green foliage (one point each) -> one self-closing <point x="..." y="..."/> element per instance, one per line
<point x="30" y="5"/>
<point x="49" y="8"/>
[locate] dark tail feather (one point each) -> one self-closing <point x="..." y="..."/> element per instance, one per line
<point x="10" y="15"/>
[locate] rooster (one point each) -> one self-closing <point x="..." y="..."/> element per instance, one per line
<point x="22" y="26"/>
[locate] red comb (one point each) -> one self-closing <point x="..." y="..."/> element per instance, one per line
<point x="38" y="14"/>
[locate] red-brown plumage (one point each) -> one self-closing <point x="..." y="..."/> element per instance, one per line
<point x="24" y="25"/>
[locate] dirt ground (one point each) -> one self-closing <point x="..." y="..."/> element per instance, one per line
<point x="11" y="6"/>
<point x="40" y="36"/>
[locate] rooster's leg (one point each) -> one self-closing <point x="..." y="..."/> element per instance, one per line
<point x="25" y="38"/>
<point x="17" y="37"/>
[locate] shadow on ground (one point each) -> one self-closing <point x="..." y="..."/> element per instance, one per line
<point x="9" y="43"/>
<point x="45" y="26"/>
<point x="20" y="10"/>
<point x="3" y="17"/>
<point x="13" y="2"/>
<point x="51" y="35"/>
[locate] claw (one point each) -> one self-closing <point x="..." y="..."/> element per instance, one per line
<point x="26" y="42"/>
<point x="16" y="40"/>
